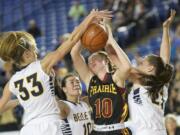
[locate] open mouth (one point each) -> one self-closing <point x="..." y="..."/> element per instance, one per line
<point x="76" y="88"/>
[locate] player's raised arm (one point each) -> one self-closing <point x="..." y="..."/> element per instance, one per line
<point x="50" y="60"/>
<point x="118" y="57"/>
<point x="79" y="63"/>
<point x="5" y="98"/>
<point x="10" y="105"/>
<point x="165" y="50"/>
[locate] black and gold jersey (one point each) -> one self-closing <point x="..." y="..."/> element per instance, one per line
<point x="108" y="101"/>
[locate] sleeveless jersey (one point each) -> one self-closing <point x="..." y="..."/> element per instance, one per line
<point x="145" y="115"/>
<point x="35" y="91"/>
<point x="108" y="101"/>
<point x="78" y="121"/>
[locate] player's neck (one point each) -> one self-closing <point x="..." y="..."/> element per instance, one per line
<point x="26" y="62"/>
<point x="101" y="74"/>
<point x="73" y="99"/>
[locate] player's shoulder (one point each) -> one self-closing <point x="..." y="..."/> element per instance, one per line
<point x="138" y="89"/>
<point x="84" y="104"/>
<point x="69" y="103"/>
<point x="36" y="64"/>
<point x="26" y="70"/>
<point x="73" y="105"/>
<point x="32" y="66"/>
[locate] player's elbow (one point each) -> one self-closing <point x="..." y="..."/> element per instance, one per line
<point x="74" y="54"/>
<point x="54" y="58"/>
<point x="1" y="108"/>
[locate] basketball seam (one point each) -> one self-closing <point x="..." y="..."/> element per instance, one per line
<point x="94" y="38"/>
<point x="85" y="36"/>
<point x="102" y="37"/>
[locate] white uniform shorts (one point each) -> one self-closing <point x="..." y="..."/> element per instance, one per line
<point x="48" y="125"/>
<point x="150" y="132"/>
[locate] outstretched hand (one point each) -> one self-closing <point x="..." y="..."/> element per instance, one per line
<point x="168" y="21"/>
<point x="109" y="49"/>
<point x="102" y="14"/>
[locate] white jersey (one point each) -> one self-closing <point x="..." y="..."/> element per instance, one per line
<point x="146" y="117"/>
<point x="78" y="121"/>
<point x="35" y="92"/>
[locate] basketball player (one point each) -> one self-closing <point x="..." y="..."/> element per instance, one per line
<point x="33" y="84"/>
<point x="106" y="88"/>
<point x="149" y="92"/>
<point x="75" y="113"/>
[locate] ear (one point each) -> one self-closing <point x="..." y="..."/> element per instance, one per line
<point x="26" y="54"/>
<point x="64" y="89"/>
<point x="150" y="69"/>
<point x="106" y="62"/>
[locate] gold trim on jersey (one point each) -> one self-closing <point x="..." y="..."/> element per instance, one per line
<point x="125" y="113"/>
<point x="125" y="131"/>
<point x="109" y="88"/>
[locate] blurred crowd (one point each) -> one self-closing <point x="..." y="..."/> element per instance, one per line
<point x="137" y="18"/>
<point x="134" y="19"/>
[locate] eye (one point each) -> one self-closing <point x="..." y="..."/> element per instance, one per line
<point x="71" y="82"/>
<point x="89" y="62"/>
<point x="78" y="82"/>
<point x="139" y="62"/>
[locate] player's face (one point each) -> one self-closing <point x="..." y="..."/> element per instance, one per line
<point x="73" y="86"/>
<point x="144" y="65"/>
<point x="96" y="63"/>
<point x="32" y="54"/>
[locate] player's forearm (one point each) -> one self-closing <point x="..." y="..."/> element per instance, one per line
<point x="2" y="106"/>
<point x="165" y="49"/>
<point x="78" y="31"/>
<point x="77" y="57"/>
<point x="5" y="97"/>
<point x="76" y="51"/>
<point x="64" y="48"/>
<point x="123" y="58"/>
<point x="75" y="36"/>
<point x="11" y="104"/>
<point x="80" y="64"/>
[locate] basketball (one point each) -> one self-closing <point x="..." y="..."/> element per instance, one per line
<point x="94" y="38"/>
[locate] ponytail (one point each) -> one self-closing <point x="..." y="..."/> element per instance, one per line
<point x="112" y="68"/>
<point x="155" y="83"/>
<point x="165" y="76"/>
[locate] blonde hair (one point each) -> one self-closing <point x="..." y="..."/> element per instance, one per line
<point x="103" y="55"/>
<point x="13" y="44"/>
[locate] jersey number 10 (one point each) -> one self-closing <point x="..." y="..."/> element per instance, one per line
<point x="104" y="108"/>
<point x="87" y="128"/>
